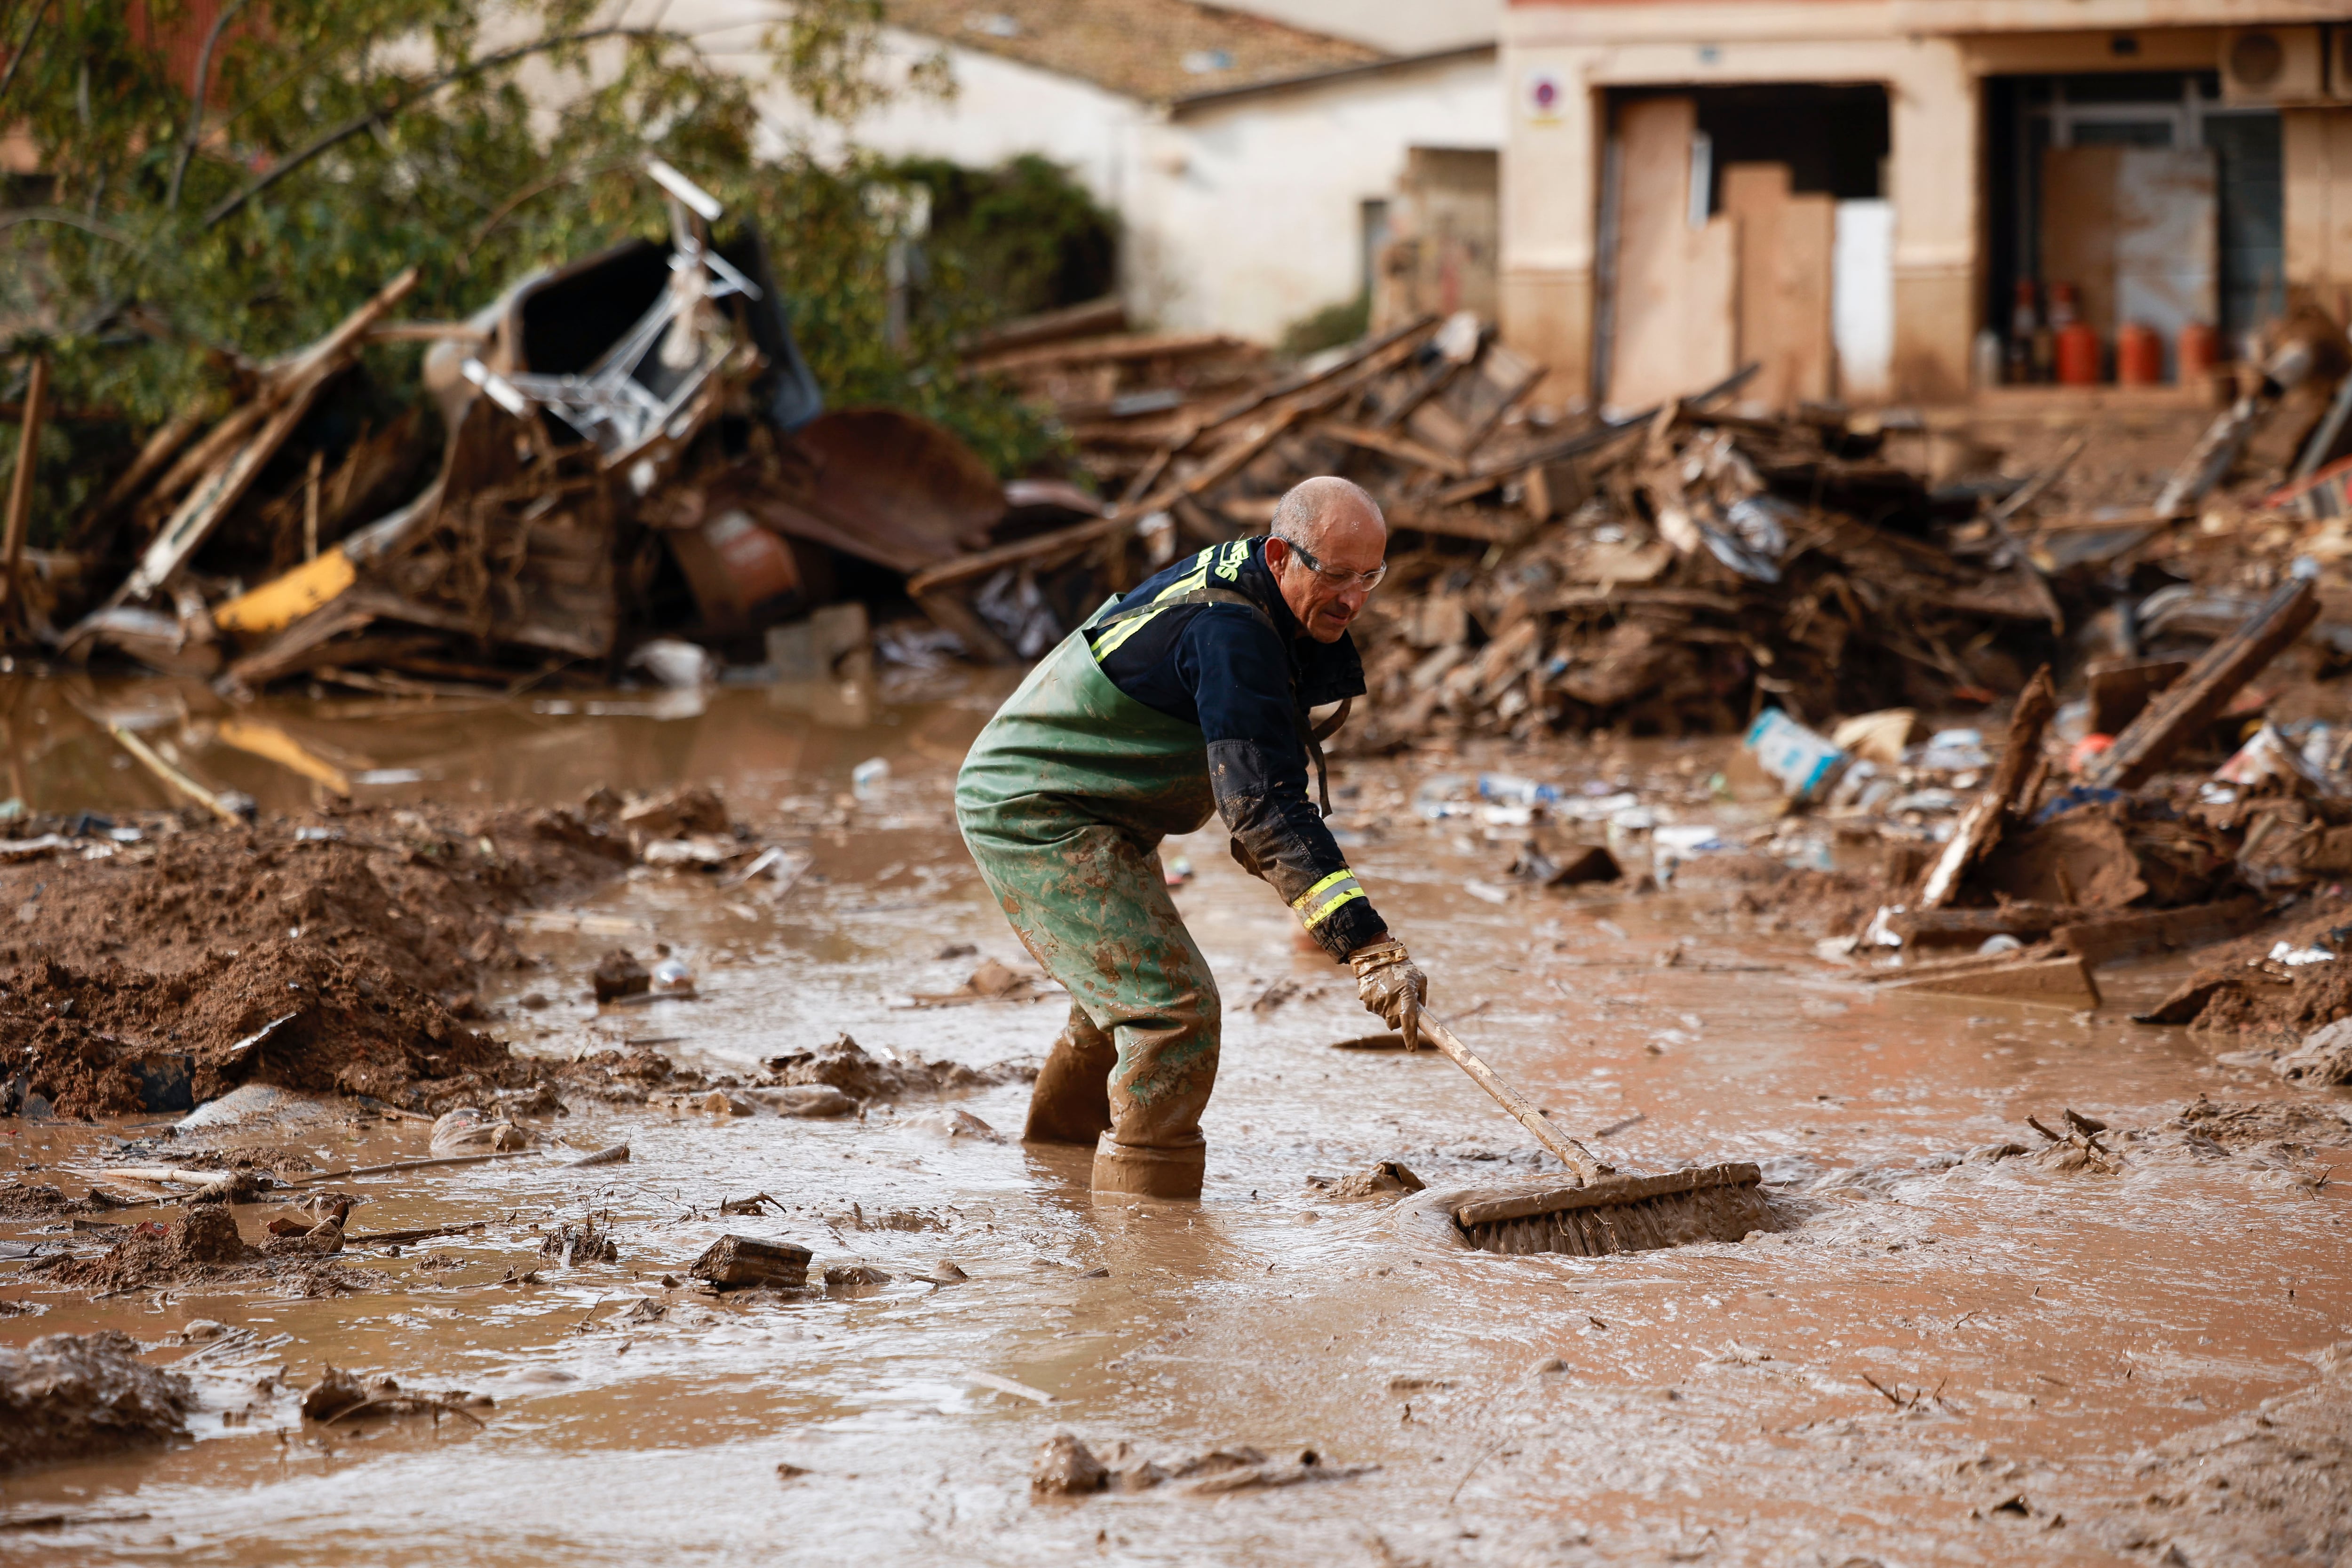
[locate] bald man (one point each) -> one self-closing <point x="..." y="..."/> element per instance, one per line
<point x="1188" y="695"/>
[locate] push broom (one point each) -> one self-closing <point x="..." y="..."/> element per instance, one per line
<point x="1605" y="1210"/>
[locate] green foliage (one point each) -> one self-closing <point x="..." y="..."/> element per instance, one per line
<point x="344" y="140"/>
<point x="1024" y="235"/>
<point x="1328" y="328"/>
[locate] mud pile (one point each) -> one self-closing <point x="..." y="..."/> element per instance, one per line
<point x="70" y="1396"/>
<point x="337" y="954"/>
<point x="202" y="1249"/>
<point x="842" y="1064"/>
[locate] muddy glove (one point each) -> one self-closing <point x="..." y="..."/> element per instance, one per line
<point x="1391" y="985"/>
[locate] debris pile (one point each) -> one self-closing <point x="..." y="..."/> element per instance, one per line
<point x="634" y="446"/>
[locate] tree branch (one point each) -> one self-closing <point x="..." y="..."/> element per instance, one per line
<point x="24" y="47"/>
<point x="326" y="139"/>
<point x="197" y="100"/>
<point x="10" y="218"/>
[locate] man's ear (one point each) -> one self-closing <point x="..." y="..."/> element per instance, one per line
<point x="1277" y="551"/>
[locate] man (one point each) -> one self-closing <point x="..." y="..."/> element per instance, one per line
<point x="1190" y="694"/>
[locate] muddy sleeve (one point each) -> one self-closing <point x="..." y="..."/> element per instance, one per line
<point x="1240" y="678"/>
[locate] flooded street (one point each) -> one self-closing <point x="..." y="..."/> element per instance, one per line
<point x="1932" y="1357"/>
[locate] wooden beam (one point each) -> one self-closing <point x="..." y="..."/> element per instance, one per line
<point x="2193" y="701"/>
<point x="2062" y="982"/>
<point x="1980" y="826"/>
<point x="1403" y="448"/>
<point x="2128" y="935"/>
<point x="20" y="484"/>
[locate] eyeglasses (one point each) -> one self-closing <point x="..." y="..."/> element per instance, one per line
<point x="1367" y="580"/>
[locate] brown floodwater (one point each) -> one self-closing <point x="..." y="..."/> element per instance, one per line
<point x="2029" y="1332"/>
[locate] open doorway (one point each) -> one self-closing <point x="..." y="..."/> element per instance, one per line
<point x="1743" y="224"/>
<point x="2142" y="196"/>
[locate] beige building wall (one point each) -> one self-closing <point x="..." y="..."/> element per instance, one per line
<point x="1931" y="56"/>
<point x="2319" y="155"/>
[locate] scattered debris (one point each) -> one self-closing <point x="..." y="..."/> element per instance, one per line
<point x="585" y="1241"/>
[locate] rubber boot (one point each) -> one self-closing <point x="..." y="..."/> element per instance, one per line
<point x="1071" y="1101"/>
<point x="1171" y="1172"/>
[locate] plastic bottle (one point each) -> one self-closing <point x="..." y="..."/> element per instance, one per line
<point x="1987" y="357"/>
<point x="2024" y="320"/>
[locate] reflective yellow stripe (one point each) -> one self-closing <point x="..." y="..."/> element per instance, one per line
<point x="1316" y="903"/>
<point x="1183" y="585"/>
<point x="1341" y="875"/>
<point x="1120" y="633"/>
<point x="1325" y="913"/>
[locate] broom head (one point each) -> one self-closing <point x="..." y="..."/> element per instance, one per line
<point x="1621" y="1213"/>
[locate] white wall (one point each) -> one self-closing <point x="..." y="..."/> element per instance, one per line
<point x="1238" y="218"/>
<point x="1246" y="216"/>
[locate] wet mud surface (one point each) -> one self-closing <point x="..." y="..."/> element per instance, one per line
<point x="1957" y="1341"/>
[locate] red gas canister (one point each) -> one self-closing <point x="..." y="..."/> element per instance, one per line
<point x="2078" y="355"/>
<point x="2139" y="355"/>
<point x="2201" y="351"/>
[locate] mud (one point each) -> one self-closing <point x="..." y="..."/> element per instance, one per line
<point x="201" y="1250"/>
<point x="70" y="1396"/>
<point x="342" y="952"/>
<point x="842" y="1064"/>
<point x="1947" y="1346"/>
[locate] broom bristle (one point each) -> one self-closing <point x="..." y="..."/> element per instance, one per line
<point x="1621" y="1213"/>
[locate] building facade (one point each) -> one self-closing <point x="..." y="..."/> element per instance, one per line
<point x="1855" y="192"/>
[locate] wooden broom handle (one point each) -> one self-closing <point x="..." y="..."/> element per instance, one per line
<point x="1573" y="1154"/>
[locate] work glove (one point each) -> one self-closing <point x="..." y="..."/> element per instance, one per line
<point x="1391" y="986"/>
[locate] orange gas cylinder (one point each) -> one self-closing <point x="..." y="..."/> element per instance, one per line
<point x="2201" y="351"/>
<point x="2139" y="355"/>
<point x="2078" y="355"/>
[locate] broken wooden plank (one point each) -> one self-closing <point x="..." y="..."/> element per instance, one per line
<point x="2196" y="698"/>
<point x="1929" y="927"/>
<point x="160" y="448"/>
<point x="1403" y="448"/>
<point x="1102" y="351"/>
<point x="1980" y="827"/>
<point x="2062" y="982"/>
<point x="209" y="501"/>
<point x="2121" y="689"/>
<point x="1478" y="523"/>
<point x="2122" y="936"/>
<point x="172" y="775"/>
<point x="1221" y="468"/>
<point x="20" y="484"/>
<point x="1407" y="335"/>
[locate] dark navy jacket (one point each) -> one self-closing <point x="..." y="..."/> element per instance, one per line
<point x="1246" y="674"/>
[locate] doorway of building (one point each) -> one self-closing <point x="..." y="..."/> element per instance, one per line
<point x="2140" y="195"/>
<point x="1743" y="224"/>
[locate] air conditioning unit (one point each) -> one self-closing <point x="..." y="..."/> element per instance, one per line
<point x="2272" y="65"/>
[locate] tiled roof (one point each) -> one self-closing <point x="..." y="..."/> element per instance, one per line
<point x="1156" y="50"/>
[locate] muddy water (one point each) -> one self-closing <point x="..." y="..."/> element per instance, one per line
<point x="2033" y="1331"/>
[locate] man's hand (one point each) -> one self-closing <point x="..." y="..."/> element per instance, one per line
<point x="1391" y="986"/>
